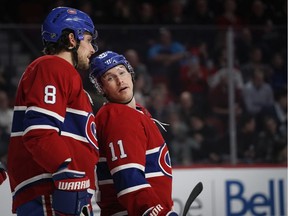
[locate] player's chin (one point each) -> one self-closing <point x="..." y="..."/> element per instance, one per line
<point x="83" y="66"/>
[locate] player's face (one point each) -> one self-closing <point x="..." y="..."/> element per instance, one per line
<point x="85" y="51"/>
<point x="117" y="84"/>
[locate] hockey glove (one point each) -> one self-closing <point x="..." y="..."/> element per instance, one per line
<point x="3" y="174"/>
<point x="159" y="210"/>
<point x="70" y="196"/>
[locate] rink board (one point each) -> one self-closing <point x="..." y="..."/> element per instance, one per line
<point x="228" y="191"/>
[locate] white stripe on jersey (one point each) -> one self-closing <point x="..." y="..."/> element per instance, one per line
<point x="46" y="112"/>
<point x="131" y="189"/>
<point x="20" y="108"/>
<point x="107" y="181"/>
<point x="35" y="127"/>
<point x="151" y="151"/>
<point x="122" y="213"/>
<point x="17" y="134"/>
<point x="79" y="112"/>
<point x="44" y="205"/>
<point x="33" y="179"/>
<point x="154" y="174"/>
<point x="80" y="138"/>
<point x="127" y="166"/>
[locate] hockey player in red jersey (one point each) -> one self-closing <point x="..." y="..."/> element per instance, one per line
<point x="53" y="148"/>
<point x="134" y="170"/>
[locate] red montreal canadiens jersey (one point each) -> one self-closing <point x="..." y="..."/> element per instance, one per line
<point x="52" y="121"/>
<point x="133" y="149"/>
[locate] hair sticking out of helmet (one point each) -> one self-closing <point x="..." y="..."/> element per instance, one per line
<point x="62" y="18"/>
<point x="104" y="62"/>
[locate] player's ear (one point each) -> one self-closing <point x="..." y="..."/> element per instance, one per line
<point x="72" y="40"/>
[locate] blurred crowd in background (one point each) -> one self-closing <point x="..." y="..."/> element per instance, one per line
<point x="181" y="71"/>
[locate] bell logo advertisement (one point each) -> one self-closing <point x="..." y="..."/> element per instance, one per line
<point x="237" y="191"/>
<point x="268" y="202"/>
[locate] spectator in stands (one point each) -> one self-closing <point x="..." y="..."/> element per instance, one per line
<point x="164" y="59"/>
<point x="219" y="102"/>
<point x="146" y="14"/>
<point x="258" y="13"/>
<point x="174" y="14"/>
<point x="180" y="144"/>
<point x="229" y="16"/>
<point x="261" y="21"/>
<point x="6" y="115"/>
<point x="187" y="106"/>
<point x="160" y="102"/>
<point x="143" y="80"/>
<point x="121" y="12"/>
<point x="223" y="71"/>
<point x="139" y="67"/>
<point x="140" y="89"/>
<point x="243" y="45"/>
<point x="278" y="79"/>
<point x="256" y="62"/>
<point x="257" y="93"/>
<point x="199" y="13"/>
<point x="278" y="110"/>
<point x="271" y="143"/>
<point x="193" y="78"/>
<point x="205" y="139"/>
<point x="247" y="137"/>
<point x="87" y="6"/>
<point x="201" y="50"/>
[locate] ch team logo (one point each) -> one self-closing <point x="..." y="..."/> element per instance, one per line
<point x="71" y="11"/>
<point x="164" y="161"/>
<point x="91" y="131"/>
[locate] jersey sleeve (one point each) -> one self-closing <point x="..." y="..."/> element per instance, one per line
<point x="125" y="144"/>
<point x="46" y="94"/>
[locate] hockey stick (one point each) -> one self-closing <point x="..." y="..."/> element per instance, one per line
<point x="194" y="193"/>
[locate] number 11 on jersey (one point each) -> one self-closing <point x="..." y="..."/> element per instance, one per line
<point x="121" y="148"/>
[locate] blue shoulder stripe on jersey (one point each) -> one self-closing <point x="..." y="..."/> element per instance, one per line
<point x="75" y="124"/>
<point x="152" y="163"/>
<point x="17" y="124"/>
<point x="128" y="178"/>
<point x="34" y="118"/>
